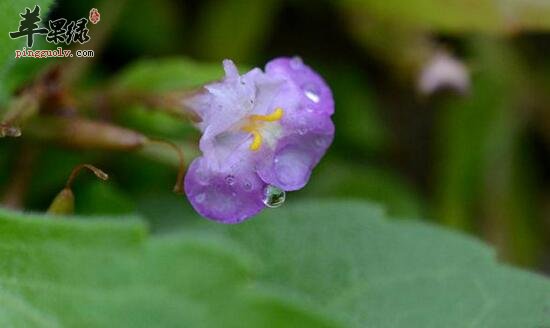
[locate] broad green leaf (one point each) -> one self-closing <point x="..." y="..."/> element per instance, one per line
<point x="458" y="16"/>
<point x="63" y="272"/>
<point x="339" y="179"/>
<point x="308" y="264"/>
<point x="346" y="259"/>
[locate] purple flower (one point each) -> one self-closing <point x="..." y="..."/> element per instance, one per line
<point x="259" y="130"/>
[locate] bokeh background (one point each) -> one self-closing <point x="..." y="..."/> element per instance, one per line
<point x="470" y="152"/>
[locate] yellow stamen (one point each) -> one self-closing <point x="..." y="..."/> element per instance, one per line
<point x="273" y="117"/>
<point x="257" y="141"/>
<point x="255" y="124"/>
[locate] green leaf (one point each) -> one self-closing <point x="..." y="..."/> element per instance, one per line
<point x="101" y="273"/>
<point x="102" y="198"/>
<point x="345" y="259"/>
<point x="459" y="16"/>
<point x="340" y="179"/>
<point x="335" y="264"/>
<point x="167" y="74"/>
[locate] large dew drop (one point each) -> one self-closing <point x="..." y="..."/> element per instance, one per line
<point x="273" y="196"/>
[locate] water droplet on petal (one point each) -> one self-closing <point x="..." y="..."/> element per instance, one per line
<point x="301" y="126"/>
<point x="312" y="92"/>
<point x="247" y="185"/>
<point x="202" y="177"/>
<point x="273" y="196"/>
<point x="230" y="180"/>
<point x="296" y="63"/>
<point x="200" y="198"/>
<point x="321" y="142"/>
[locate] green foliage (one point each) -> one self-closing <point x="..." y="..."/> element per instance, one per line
<point x="167" y="75"/>
<point x="324" y="262"/>
<point x="155" y="77"/>
<point x="10" y="11"/>
<point x="128" y="36"/>
<point x="335" y="178"/>
<point x="358" y="111"/>
<point x="292" y="267"/>
<point x="9" y="22"/>
<point x="346" y="259"/>
<point x="481" y="137"/>
<point x="58" y="273"/>
<point x="458" y="16"/>
<point x="223" y="33"/>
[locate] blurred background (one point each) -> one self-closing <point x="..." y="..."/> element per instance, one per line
<point x="442" y="108"/>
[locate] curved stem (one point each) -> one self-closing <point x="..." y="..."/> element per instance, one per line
<point x="98" y="173"/>
<point x="178" y="187"/>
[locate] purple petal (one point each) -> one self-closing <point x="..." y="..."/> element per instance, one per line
<point x="224" y="197"/>
<point x="303" y="121"/>
<point x="294" y="159"/>
<point x="315" y="93"/>
<point x="227" y="183"/>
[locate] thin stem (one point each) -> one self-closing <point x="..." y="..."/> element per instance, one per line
<point x="178" y="187"/>
<point x="98" y="173"/>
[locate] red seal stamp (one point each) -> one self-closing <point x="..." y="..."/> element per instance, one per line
<point x="94" y="16"/>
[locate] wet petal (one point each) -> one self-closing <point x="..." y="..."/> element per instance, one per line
<point x="245" y="148"/>
<point x="315" y="94"/>
<point x="294" y="159"/>
<point x="227" y="197"/>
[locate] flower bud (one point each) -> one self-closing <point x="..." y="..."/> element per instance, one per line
<point x="63" y="203"/>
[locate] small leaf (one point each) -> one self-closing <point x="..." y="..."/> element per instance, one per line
<point x="167" y="75"/>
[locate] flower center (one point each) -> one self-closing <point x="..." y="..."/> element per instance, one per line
<point x="256" y="122"/>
